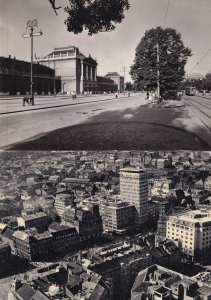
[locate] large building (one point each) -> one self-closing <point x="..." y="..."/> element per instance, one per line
<point x="134" y="190"/>
<point x="193" y="230"/>
<point x="119" y="80"/>
<point x="15" y="78"/>
<point x="32" y="246"/>
<point x="86" y="220"/>
<point x="159" y="283"/>
<point x="62" y="202"/>
<point x="78" y="72"/>
<point x="38" y="220"/>
<point x="118" y="216"/>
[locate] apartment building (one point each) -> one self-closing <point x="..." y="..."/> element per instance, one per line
<point x="193" y="230"/>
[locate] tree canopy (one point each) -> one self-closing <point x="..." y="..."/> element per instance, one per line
<point x="173" y="56"/>
<point x="93" y="15"/>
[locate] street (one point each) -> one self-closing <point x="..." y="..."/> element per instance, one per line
<point x="123" y="123"/>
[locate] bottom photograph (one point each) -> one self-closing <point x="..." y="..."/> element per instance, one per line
<point x="105" y="225"/>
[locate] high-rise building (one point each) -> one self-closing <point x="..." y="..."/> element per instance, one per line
<point x="134" y="190"/>
<point x="193" y="230"/>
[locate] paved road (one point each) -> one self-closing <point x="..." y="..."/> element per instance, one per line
<point x="16" y="127"/>
<point x="31" y="125"/>
<point x="14" y="104"/>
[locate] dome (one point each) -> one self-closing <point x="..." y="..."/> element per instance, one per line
<point x="53" y="290"/>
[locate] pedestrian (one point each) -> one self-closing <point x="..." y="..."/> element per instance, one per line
<point x="147" y="95"/>
<point x="150" y="96"/>
<point x="73" y="95"/>
<point x="116" y="95"/>
<point x="128" y="94"/>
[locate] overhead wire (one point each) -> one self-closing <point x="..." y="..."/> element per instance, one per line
<point x="166" y="13"/>
<point x="201" y="59"/>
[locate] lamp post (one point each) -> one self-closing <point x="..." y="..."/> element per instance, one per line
<point x="124" y="70"/>
<point x="158" y="73"/>
<point x="31" y="24"/>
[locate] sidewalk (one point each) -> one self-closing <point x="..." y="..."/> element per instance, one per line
<point x="15" y="105"/>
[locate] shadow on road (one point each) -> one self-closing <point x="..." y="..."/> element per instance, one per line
<point x="140" y="128"/>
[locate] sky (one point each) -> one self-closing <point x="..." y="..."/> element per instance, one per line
<point x="113" y="50"/>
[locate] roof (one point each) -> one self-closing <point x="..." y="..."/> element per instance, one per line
<point x="20" y="235"/>
<point x="33" y="216"/>
<point x="25" y="292"/>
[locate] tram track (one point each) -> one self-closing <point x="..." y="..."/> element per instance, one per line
<point x="191" y="102"/>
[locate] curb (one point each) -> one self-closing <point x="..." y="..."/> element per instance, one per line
<point x="61" y="105"/>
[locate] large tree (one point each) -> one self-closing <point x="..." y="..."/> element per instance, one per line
<point x="173" y="56"/>
<point x="93" y="15"/>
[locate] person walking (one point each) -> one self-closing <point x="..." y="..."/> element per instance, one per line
<point x="116" y="95"/>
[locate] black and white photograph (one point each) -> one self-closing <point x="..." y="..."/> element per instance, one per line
<point x="105" y="74"/>
<point x="105" y="225"/>
<point x="105" y="150"/>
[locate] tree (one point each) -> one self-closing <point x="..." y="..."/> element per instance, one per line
<point x="128" y="86"/>
<point x="93" y="15"/>
<point x="173" y="56"/>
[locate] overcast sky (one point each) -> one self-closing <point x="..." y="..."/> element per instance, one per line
<point x="112" y="49"/>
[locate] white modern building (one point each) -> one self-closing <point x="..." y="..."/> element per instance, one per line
<point x="193" y="230"/>
<point x="134" y="190"/>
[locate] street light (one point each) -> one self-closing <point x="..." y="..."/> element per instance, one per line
<point x="31" y="24"/>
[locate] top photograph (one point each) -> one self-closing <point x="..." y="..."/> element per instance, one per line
<point x="105" y="75"/>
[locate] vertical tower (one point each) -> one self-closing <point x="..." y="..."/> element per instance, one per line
<point x="134" y="189"/>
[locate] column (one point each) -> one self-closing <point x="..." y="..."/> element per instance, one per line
<point x="91" y="72"/>
<point x="87" y="72"/>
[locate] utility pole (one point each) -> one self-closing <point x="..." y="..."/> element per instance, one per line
<point x="31" y="24"/>
<point x="124" y="70"/>
<point x="158" y="72"/>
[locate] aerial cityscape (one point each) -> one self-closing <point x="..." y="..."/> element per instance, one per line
<point x="105" y="225"/>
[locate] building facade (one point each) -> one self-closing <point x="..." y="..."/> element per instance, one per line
<point x="31" y="246"/>
<point x="119" y="80"/>
<point x="78" y="73"/>
<point x="15" y="78"/>
<point x="118" y="216"/>
<point x="193" y="230"/>
<point x="134" y="190"/>
<point x="62" y="202"/>
<point x="38" y="220"/>
<point x="105" y="84"/>
<point x="87" y="221"/>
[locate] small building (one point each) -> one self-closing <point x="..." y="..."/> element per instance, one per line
<point x="105" y="84"/>
<point x="119" y="80"/>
